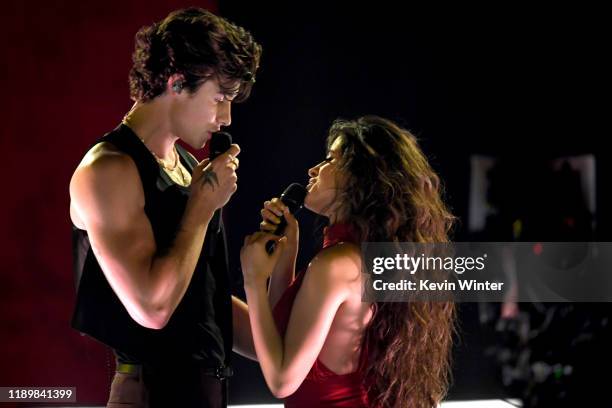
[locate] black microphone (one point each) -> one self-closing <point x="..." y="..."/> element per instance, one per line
<point x="220" y="142"/>
<point x="293" y="197"/>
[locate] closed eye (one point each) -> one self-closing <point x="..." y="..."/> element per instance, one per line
<point x="225" y="98"/>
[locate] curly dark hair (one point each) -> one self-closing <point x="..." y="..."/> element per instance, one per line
<point x="197" y="45"/>
<point x="391" y="193"/>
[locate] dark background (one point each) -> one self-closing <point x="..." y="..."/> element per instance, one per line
<point x="512" y="82"/>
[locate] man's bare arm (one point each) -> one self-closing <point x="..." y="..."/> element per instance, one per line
<point x="107" y="195"/>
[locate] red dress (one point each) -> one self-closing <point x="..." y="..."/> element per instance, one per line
<point x="322" y="387"/>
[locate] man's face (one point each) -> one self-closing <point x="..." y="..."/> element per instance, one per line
<point x="194" y="117"/>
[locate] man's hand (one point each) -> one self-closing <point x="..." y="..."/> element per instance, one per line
<point x="214" y="182"/>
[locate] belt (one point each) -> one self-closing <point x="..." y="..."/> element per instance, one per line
<point x="221" y="372"/>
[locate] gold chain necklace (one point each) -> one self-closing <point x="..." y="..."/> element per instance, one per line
<point x="162" y="162"/>
<point x="176" y="172"/>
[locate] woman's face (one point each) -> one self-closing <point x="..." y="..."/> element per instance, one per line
<point x="324" y="182"/>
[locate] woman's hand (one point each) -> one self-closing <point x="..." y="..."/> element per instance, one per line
<point x="271" y="213"/>
<point x="257" y="264"/>
<point x="284" y="272"/>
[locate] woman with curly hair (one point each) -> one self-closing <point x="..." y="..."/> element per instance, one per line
<point x="317" y="342"/>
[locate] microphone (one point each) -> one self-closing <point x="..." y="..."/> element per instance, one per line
<point x="220" y="142"/>
<point x="293" y="197"/>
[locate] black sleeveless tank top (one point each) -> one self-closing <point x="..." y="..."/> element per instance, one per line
<point x="200" y="330"/>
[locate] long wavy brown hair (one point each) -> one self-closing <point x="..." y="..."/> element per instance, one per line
<point x="393" y="194"/>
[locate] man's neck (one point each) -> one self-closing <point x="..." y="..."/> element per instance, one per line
<point x="151" y="124"/>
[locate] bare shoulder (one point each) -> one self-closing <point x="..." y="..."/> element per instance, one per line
<point x="107" y="179"/>
<point x="102" y="158"/>
<point x="104" y="162"/>
<point x="339" y="262"/>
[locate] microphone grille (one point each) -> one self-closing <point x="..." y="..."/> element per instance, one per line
<point x="293" y="196"/>
<point x="220" y="143"/>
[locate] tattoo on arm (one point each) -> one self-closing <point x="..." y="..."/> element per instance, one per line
<point x="210" y="177"/>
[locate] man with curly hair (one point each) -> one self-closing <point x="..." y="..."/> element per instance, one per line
<point x="150" y="253"/>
